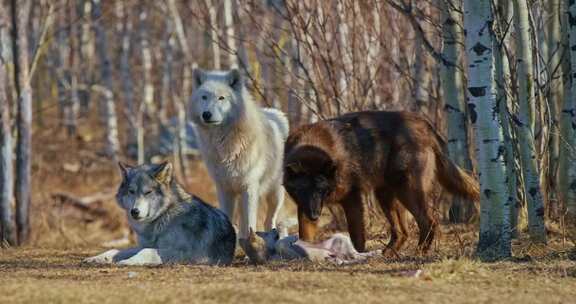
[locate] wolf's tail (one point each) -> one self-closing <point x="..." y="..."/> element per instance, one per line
<point x="453" y="178"/>
<point x="279" y="118"/>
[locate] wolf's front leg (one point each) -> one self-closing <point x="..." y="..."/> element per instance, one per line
<point x="111" y="256"/>
<point x="146" y="256"/>
<point x="249" y="211"/>
<point x="227" y="202"/>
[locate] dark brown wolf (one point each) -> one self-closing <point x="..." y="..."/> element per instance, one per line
<point x="398" y="155"/>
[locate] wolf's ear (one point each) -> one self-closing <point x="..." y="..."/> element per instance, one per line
<point x="199" y="77"/>
<point x="124" y="168"/>
<point x="235" y="80"/>
<point x="294" y="168"/>
<point x="163" y="173"/>
<point x="251" y="235"/>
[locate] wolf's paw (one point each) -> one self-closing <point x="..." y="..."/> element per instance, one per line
<point x="104" y="258"/>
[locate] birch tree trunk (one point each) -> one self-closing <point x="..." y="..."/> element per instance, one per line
<point x="526" y="123"/>
<point x="7" y="231"/>
<point x="567" y="166"/>
<point x="556" y="81"/>
<point x="86" y="53"/>
<point x="111" y="121"/>
<point x="422" y="71"/>
<point x="74" y="102"/>
<point x="20" y="12"/>
<point x="229" y="29"/>
<point x="455" y="100"/>
<point x="503" y="86"/>
<point x="214" y="37"/>
<point x="495" y="203"/>
<point x="124" y="28"/>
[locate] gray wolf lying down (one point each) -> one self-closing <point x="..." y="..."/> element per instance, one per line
<point x="266" y="246"/>
<point x="172" y="226"/>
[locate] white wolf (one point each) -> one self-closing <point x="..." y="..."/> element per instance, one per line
<point x="241" y="144"/>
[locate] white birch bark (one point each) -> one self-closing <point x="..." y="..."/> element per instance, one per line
<point x="526" y="123"/>
<point x="20" y="11"/>
<point x="110" y="119"/>
<point x="214" y="37"/>
<point x="344" y="86"/>
<point x="555" y="95"/>
<point x="495" y="204"/>
<point x="229" y="30"/>
<point x="452" y="78"/>
<point x="503" y="95"/>
<point x="567" y="166"/>
<point x="7" y="229"/>
<point x="124" y="29"/>
<point x="422" y="73"/>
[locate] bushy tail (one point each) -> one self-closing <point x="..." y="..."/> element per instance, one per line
<point x="456" y="180"/>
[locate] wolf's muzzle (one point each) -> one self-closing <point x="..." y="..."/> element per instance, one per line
<point x="206" y="116"/>
<point x="135" y="213"/>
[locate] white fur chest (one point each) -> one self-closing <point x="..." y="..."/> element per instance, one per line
<point x="232" y="163"/>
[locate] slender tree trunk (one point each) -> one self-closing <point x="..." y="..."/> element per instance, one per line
<point x="495" y="203"/>
<point x="452" y="77"/>
<point x="20" y="12"/>
<point x="568" y="134"/>
<point x="504" y="85"/>
<point x="86" y="53"/>
<point x="111" y="121"/>
<point x="526" y="123"/>
<point x="74" y="71"/>
<point x="7" y="230"/>
<point x="148" y="84"/>
<point x="371" y="42"/>
<point x="422" y="73"/>
<point x="344" y="46"/>
<point x="213" y="30"/>
<point x="230" y="39"/>
<point x="556" y="94"/>
<point x="125" y="28"/>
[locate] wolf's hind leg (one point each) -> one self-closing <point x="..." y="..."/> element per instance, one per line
<point x="111" y="256"/>
<point x="146" y="256"/>
<point x="392" y="210"/>
<point x="274" y="201"/>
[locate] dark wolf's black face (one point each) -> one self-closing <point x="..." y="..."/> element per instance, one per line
<point x="144" y="192"/>
<point x="309" y="178"/>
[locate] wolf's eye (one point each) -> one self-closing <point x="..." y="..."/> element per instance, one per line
<point x="221" y="98"/>
<point x="204" y="97"/>
<point x="132" y="191"/>
<point x="148" y="192"/>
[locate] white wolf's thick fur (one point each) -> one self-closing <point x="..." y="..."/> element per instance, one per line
<point x="241" y="144"/>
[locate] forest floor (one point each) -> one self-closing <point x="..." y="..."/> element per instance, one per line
<point x="48" y="268"/>
<point x="56" y="276"/>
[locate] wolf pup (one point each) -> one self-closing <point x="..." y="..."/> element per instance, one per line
<point x="241" y="144"/>
<point x="397" y="155"/>
<point x="172" y="226"/>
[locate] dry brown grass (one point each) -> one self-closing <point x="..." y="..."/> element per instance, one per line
<point x="55" y="276"/>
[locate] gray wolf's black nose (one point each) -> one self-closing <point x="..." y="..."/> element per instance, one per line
<point x="134" y="213"/>
<point x="206" y="115"/>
